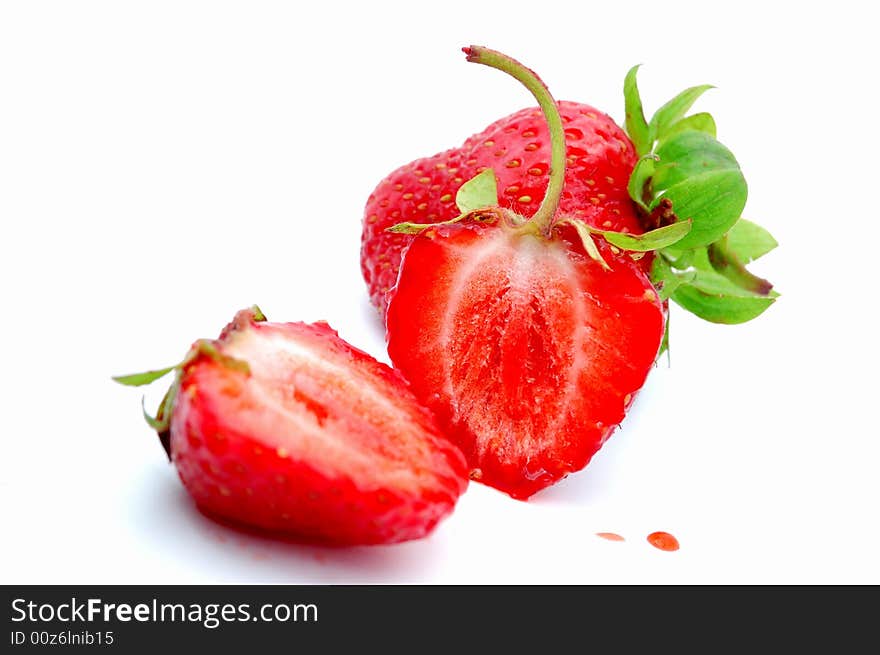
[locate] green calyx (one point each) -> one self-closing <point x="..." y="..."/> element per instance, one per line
<point x="161" y="422"/>
<point x="684" y="174"/>
<point x="656" y="239"/>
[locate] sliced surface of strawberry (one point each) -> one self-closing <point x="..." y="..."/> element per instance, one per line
<point x="525" y="336"/>
<point x="527" y="350"/>
<point x="287" y="428"/>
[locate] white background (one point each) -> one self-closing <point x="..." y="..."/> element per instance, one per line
<point x="163" y="164"/>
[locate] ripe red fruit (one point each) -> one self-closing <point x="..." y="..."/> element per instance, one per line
<point x="287" y="428"/>
<point x="423" y="190"/>
<point x="518" y="334"/>
<point x="525" y="348"/>
<point x="600" y="158"/>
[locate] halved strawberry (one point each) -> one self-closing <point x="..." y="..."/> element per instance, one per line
<point x="527" y="350"/>
<point x="288" y="428"/>
<point x="527" y="338"/>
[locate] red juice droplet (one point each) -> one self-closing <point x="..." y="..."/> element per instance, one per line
<point x="663" y="541"/>
<point x="610" y="536"/>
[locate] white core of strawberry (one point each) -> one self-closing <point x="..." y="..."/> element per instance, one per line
<point x="512" y="274"/>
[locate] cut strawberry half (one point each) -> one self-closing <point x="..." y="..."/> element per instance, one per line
<point x="288" y="428"/>
<point x="525" y="336"/>
<point x="527" y="350"/>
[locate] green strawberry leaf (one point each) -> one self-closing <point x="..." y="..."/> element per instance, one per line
<point x="701" y="122"/>
<point x="415" y="228"/>
<point x="653" y="240"/>
<point x="478" y="192"/>
<point x="583" y="231"/>
<point x="483" y="215"/>
<point x="141" y="379"/>
<point x="161" y="421"/>
<point x="712" y="201"/>
<point x="639" y="180"/>
<point x="680" y="259"/>
<point x="714" y="297"/>
<point x="673" y="111"/>
<point x="688" y="154"/>
<point x="636" y="125"/>
<point x="666" y="279"/>
<point x="749" y="241"/>
<point x="704" y="183"/>
<point x="664" y="345"/>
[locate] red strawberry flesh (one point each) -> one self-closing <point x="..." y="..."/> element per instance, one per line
<point x="525" y="348"/>
<point x="320" y="440"/>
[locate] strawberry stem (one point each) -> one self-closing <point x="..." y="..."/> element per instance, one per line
<point x="543" y="218"/>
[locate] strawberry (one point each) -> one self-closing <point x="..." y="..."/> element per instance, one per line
<point x="517" y="332"/>
<point x="599" y="161"/>
<point x="527" y="350"/>
<point x="529" y="335"/>
<point x="600" y="158"/>
<point x="423" y="190"/>
<point x="287" y="428"/>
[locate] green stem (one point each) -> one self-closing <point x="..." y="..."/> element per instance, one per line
<point x="543" y="218"/>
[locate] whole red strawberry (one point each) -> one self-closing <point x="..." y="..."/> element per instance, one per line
<point x="600" y="159"/>
<point x="287" y="428"/>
